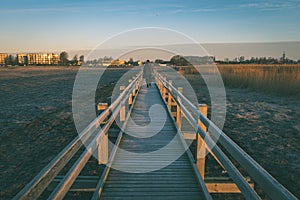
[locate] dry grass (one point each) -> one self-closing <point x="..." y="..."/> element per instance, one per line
<point x="279" y="79"/>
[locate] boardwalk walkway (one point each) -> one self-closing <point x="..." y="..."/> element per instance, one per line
<point x="149" y="159"/>
<point x="175" y="181"/>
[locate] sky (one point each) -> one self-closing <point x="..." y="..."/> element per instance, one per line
<point x="54" y="25"/>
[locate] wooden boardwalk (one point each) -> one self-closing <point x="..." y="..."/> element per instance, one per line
<point x="177" y="180"/>
<point x="149" y="160"/>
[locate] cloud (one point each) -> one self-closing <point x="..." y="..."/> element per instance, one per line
<point x="208" y="9"/>
<point x="258" y="5"/>
<point x="30" y="10"/>
<point x="270" y="5"/>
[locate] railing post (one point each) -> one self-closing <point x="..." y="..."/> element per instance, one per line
<point x="178" y="110"/>
<point x="103" y="143"/>
<point x="135" y="89"/>
<point x="201" y="150"/>
<point x="122" y="110"/>
<point x="170" y="97"/>
<point x="164" y="90"/>
<point x="130" y="95"/>
<point x="103" y="150"/>
<point x="159" y="85"/>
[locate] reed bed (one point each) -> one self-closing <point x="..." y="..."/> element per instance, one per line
<point x="279" y="79"/>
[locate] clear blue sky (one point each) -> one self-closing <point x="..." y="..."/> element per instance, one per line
<point x="36" y="25"/>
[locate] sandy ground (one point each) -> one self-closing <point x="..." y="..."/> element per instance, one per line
<point x="36" y="123"/>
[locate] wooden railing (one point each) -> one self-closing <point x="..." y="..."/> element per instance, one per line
<point x="207" y="133"/>
<point x="94" y="137"/>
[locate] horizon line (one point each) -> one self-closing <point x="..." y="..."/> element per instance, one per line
<point x="125" y="47"/>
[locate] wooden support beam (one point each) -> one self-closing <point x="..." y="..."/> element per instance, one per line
<point x="201" y="149"/>
<point x="88" y="184"/>
<point x="81" y="184"/>
<point x="223" y="185"/>
<point x="102" y="106"/>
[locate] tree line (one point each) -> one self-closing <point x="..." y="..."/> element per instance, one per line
<point x="258" y="60"/>
<point x="179" y="60"/>
<point x="64" y="59"/>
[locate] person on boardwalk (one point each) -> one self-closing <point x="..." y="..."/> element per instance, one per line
<point x="148" y="74"/>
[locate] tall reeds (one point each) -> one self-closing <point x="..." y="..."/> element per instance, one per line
<point x="279" y="79"/>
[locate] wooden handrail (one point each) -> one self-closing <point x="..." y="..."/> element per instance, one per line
<point x="38" y="184"/>
<point x="65" y="184"/>
<point x="269" y="184"/>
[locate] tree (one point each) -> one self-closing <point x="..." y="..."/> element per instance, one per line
<point x="63" y="56"/>
<point x="81" y="58"/>
<point x="241" y="59"/>
<point x="159" y="61"/>
<point x="10" y="60"/>
<point x="130" y="62"/>
<point x="74" y="61"/>
<point x="179" y="61"/>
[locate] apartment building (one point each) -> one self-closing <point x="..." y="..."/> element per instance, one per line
<point x="3" y="57"/>
<point x="38" y="59"/>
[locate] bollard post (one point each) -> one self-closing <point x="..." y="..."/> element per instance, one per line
<point x="201" y="150"/>
<point x="122" y="110"/>
<point x="178" y="110"/>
